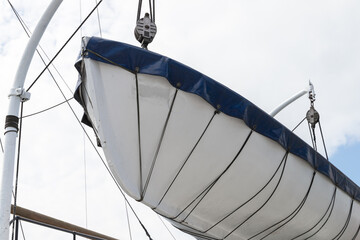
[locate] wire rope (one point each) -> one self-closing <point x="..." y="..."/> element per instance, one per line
<point x="343" y="229"/>
<point x="151" y="9"/>
<point x="323" y="216"/>
<point x="267" y="200"/>
<point x="128" y="220"/>
<point x="47" y="109"/>
<point x="22" y="230"/>
<point x="356" y="233"/>
<point x="323" y="140"/>
<point x="85" y="182"/>
<point x="172" y="235"/>
<point x="256" y="194"/>
<point x="326" y="220"/>
<point x="98" y="19"/>
<point x="17" y="167"/>
<point x="80" y="16"/>
<point x="292" y="215"/>
<point x="298" y="124"/>
<point x="203" y="194"/>
<point x="159" y="145"/>
<point x="64" y="45"/>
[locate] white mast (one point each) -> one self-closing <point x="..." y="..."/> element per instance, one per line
<point x="18" y="94"/>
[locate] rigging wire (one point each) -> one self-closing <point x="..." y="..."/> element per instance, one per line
<point x="172" y="235"/>
<point x="28" y="33"/>
<point x="80" y="13"/>
<point x="47" y="109"/>
<point x="17" y="167"/>
<point x="22" y="230"/>
<point x="98" y="19"/>
<point x="128" y="220"/>
<point x="323" y="140"/>
<point x="298" y="124"/>
<point x="151" y="9"/>
<point x="64" y="45"/>
<point x="85" y="182"/>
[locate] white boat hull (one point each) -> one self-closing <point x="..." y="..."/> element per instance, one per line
<point x="209" y="173"/>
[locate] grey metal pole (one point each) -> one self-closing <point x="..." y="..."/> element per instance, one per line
<point x="18" y="94"/>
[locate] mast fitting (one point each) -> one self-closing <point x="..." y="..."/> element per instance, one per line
<point x="20" y="92"/>
<point x="312" y="115"/>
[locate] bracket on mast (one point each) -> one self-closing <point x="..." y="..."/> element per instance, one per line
<point x="20" y="92"/>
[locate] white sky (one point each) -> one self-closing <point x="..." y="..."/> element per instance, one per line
<point x="264" y="50"/>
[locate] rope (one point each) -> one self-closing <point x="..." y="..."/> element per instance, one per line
<point x="298" y="124"/>
<point x="291" y="216"/>
<point x="159" y="145"/>
<point x="323" y="140"/>
<point x="327" y="219"/>
<point x="98" y="19"/>
<point x="22" y="230"/>
<point x="47" y="109"/>
<point x="338" y="236"/>
<point x="267" y="200"/>
<point x="128" y="220"/>
<point x="154" y="10"/>
<point x="151" y="9"/>
<point x="166" y="227"/>
<point x="60" y="50"/>
<point x="85" y="184"/>
<point x="250" y="199"/>
<point x="139" y="10"/>
<point x="151" y="12"/>
<point x="318" y="222"/>
<point x="80" y="15"/>
<point x="17" y="167"/>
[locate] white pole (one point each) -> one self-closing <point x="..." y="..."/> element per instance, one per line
<point x="292" y="99"/>
<point x="17" y="94"/>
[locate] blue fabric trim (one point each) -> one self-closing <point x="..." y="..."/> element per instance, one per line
<point x="220" y="97"/>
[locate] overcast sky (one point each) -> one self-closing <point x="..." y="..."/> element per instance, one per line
<point x="265" y="50"/>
